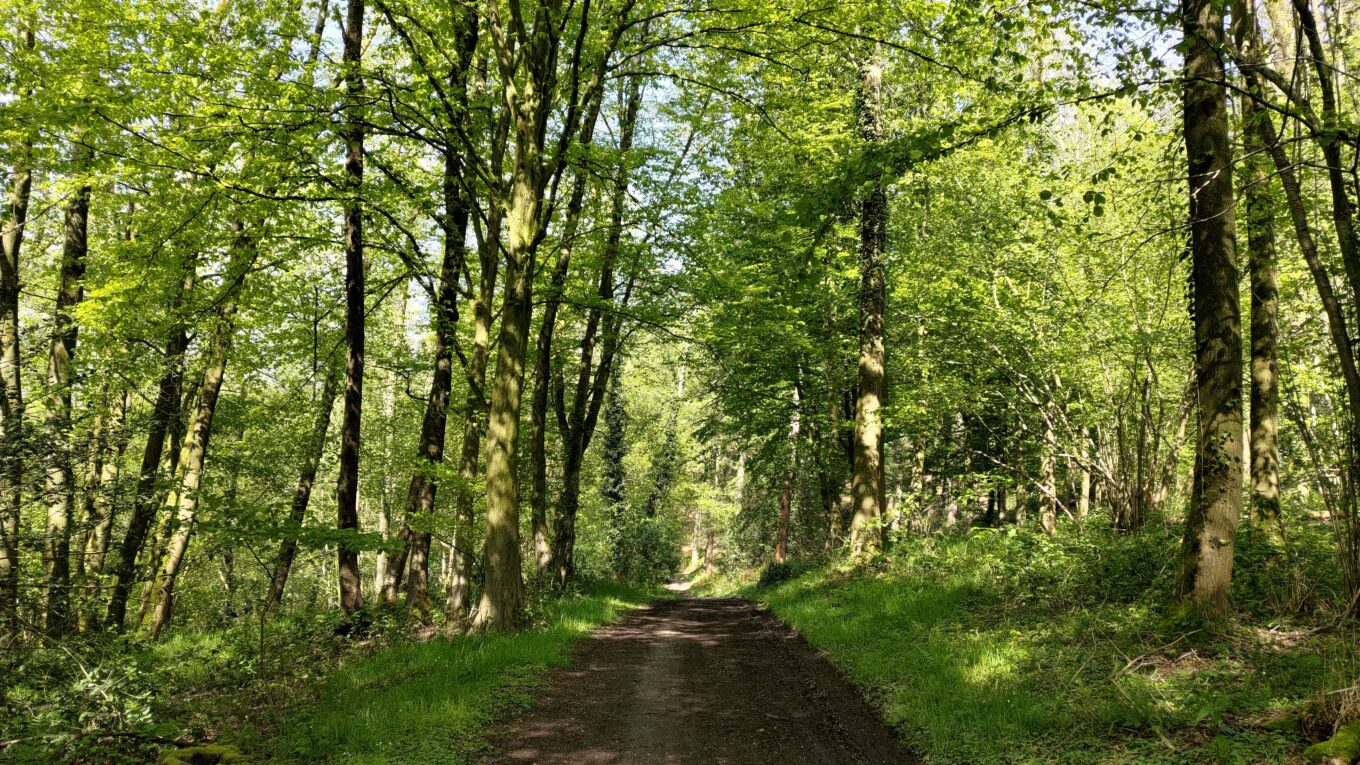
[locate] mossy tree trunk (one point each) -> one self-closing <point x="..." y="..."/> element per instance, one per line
<point x="60" y="483"/>
<point x="1206" y="559"/>
<point x="867" y="481"/>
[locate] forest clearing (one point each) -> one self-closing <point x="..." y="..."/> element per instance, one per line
<point x="684" y="381"/>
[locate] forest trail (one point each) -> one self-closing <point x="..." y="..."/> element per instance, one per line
<point x="697" y="680"/>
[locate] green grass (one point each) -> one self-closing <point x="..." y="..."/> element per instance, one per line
<point x="1003" y="648"/>
<point x="431" y="702"/>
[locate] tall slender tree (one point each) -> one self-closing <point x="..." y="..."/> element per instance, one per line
<point x="302" y="494"/>
<point x="1211" y="524"/>
<point x="60" y="384"/>
<point x="867" y="479"/>
<point x="347" y="484"/>
<point x="13" y="226"/>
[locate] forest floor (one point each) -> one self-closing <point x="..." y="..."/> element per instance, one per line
<point x="697" y="680"/>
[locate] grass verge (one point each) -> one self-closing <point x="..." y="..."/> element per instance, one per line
<point x="1009" y="648"/>
<point x="431" y="702"/>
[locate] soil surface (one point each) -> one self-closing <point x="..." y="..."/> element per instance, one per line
<point x="698" y="680"/>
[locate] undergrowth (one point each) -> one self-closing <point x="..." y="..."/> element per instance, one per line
<point x="1007" y="647"/>
<point x="297" y="692"/>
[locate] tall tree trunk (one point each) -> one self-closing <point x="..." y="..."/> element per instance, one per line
<point x="503" y="593"/>
<point x="182" y="501"/>
<point x="1342" y="214"/>
<point x="155" y="554"/>
<point x="474" y="423"/>
<point x="1084" y="466"/>
<point x="60" y="384"/>
<point x="615" y="447"/>
<point x="1048" y="483"/>
<point x="457" y="209"/>
<point x="530" y="102"/>
<point x="302" y="495"/>
<point x="1260" y="221"/>
<point x="1206" y="560"/>
<point x="347" y="484"/>
<point x="867" y="482"/>
<point x="538" y="417"/>
<point x="164" y="413"/>
<point x="94" y="470"/>
<point x="781" y="541"/>
<point x="101" y="508"/>
<point x="578" y="425"/>
<point x="389" y="406"/>
<point x="420" y="498"/>
<point x="12" y="229"/>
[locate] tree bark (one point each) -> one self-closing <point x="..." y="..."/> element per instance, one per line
<point x="1048" y="483"/>
<point x="302" y="495"/>
<point x="1206" y="559"/>
<point x="420" y="497"/>
<point x="101" y="508"/>
<point x="1264" y="429"/>
<point x="347" y="484"/>
<point x="60" y="482"/>
<point x="12" y="229"/>
<point x="94" y="470"/>
<point x="474" y="424"/>
<point x="867" y="481"/>
<point x="1342" y="214"/>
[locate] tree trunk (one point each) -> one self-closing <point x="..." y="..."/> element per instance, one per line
<point x="1048" y="484"/>
<point x="503" y="594"/>
<point x="1084" y="484"/>
<point x="1342" y="215"/>
<point x="457" y="208"/>
<point x="183" y="500"/>
<point x="12" y="229"/>
<point x="474" y="423"/>
<point x="302" y="495"/>
<point x="1206" y="560"/>
<point x="867" y="483"/>
<point x="347" y="484"/>
<point x="94" y="471"/>
<point x="578" y="425"/>
<point x="102" y="508"/>
<point x="1260" y="221"/>
<point x="615" y="447"/>
<point x="389" y="406"/>
<point x="420" y="497"/>
<point x="164" y="413"/>
<point x="538" y="417"/>
<point x="60" y="384"/>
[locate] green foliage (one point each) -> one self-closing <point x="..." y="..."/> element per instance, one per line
<point x="646" y="547"/>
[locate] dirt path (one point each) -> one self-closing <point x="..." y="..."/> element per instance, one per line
<point x="700" y="680"/>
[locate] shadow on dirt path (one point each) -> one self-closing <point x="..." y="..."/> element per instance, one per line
<point x="698" y="680"/>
